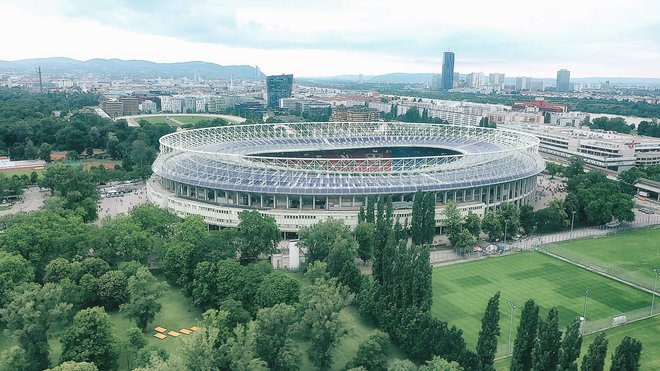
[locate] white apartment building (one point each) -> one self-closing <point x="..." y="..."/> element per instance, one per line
<point x="610" y="150"/>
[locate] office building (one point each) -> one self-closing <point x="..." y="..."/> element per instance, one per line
<point x="148" y="106"/>
<point x="563" y="80"/>
<point x="496" y="78"/>
<point x="448" y="71"/>
<point x="354" y="115"/>
<point x="523" y="83"/>
<point x="536" y="86"/>
<point x="475" y="80"/>
<point x="130" y="105"/>
<point x="278" y="87"/>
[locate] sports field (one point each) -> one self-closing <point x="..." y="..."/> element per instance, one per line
<point x="633" y="254"/>
<point x="646" y="331"/>
<point x="172" y="120"/>
<point x="461" y="291"/>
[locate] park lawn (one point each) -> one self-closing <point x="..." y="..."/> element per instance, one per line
<point x="28" y="172"/>
<point x="192" y="119"/>
<point x="360" y="330"/>
<point x="155" y="119"/>
<point x="646" y="331"/>
<point x="634" y="253"/>
<point x="461" y="292"/>
<point x="175" y="315"/>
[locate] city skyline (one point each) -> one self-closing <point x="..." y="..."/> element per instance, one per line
<point x="368" y="38"/>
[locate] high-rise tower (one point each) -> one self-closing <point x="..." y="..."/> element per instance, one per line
<point x="278" y="87"/>
<point x="447" y="71"/>
<point x="563" y="80"/>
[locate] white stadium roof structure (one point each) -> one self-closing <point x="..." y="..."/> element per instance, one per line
<point x="231" y="158"/>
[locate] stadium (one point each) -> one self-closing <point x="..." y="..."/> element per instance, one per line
<point x="302" y="173"/>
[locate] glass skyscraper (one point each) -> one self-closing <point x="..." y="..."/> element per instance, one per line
<point x="448" y="71"/>
<point x="563" y="80"/>
<point x="278" y="87"/>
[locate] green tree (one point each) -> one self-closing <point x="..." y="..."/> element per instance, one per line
<point x="453" y="222"/>
<point x="121" y="239"/>
<point x="553" y="218"/>
<point x="320" y="237"/>
<point x="594" y="360"/>
<point x="89" y="338"/>
<point x="317" y="270"/>
<point x="240" y="350"/>
<point x="575" y="167"/>
<point x="14" y="359"/>
<point x="43" y="236"/>
<point x="527" y="220"/>
<point x="440" y="364"/>
<point x="490" y="330"/>
<point x="236" y="313"/>
<point x="473" y="224"/>
<point x="370" y="215"/>
<point x="546" y="351"/>
<point x="319" y="306"/>
<point x="428" y="223"/>
<point x="509" y="218"/>
<point x="14" y="271"/>
<point x="112" y="288"/>
<point x="372" y="353"/>
<point x="31" y="311"/>
<point x="203" y="350"/>
<point x="417" y="219"/>
<point x="259" y="234"/>
<point x="626" y="355"/>
<point x="44" y="152"/>
<point x="134" y="342"/>
<point x="628" y="179"/>
<point x="75" y="366"/>
<point x="571" y="345"/>
<point x="277" y="288"/>
<point x="492" y="226"/>
<point x="273" y="344"/>
<point x="464" y="240"/>
<point x="365" y="234"/>
<point x="523" y="345"/>
<point x="341" y="263"/>
<point x="144" y="292"/>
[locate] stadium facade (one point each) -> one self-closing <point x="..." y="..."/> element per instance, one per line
<point x="303" y="173"/>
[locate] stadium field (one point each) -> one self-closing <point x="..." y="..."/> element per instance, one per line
<point x="632" y="254"/>
<point x="461" y="291"/>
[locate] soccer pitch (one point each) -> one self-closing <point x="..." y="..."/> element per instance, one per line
<point x="631" y="255"/>
<point x="461" y="291"/>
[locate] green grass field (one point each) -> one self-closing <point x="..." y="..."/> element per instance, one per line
<point x="175" y="314"/>
<point x="634" y="254"/>
<point x="165" y="119"/>
<point x="461" y="291"/>
<point x="646" y="331"/>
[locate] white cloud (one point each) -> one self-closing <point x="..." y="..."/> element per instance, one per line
<point x="335" y="37"/>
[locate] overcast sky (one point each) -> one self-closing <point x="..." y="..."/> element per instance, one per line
<point x="323" y="38"/>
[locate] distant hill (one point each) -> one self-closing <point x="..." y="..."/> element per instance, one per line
<point x="130" y="68"/>
<point x="401" y="77"/>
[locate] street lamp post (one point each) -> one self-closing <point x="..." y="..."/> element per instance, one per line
<point x="512" y="304"/>
<point x="506" y="224"/>
<point x="656" y="271"/>
<point x="586" y="298"/>
<point x="572" y="222"/>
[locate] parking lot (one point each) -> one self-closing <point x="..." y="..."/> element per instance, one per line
<point x="120" y="202"/>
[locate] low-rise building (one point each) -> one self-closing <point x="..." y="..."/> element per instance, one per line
<point x="605" y="149"/>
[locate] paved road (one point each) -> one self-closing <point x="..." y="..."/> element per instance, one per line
<point x="32" y="200"/>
